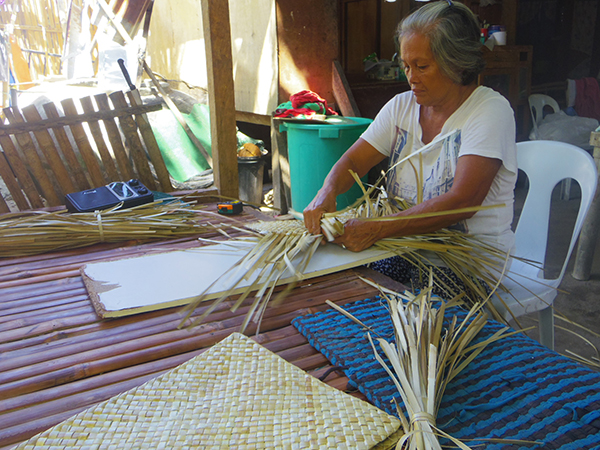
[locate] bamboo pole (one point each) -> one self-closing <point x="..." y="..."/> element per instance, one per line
<point x="56" y="299"/>
<point x="310" y="362"/>
<point x="20" y="333"/>
<point x="72" y="351"/>
<point x="92" y="390"/>
<point x="28" y="293"/>
<point x="28" y="319"/>
<point x="281" y="341"/>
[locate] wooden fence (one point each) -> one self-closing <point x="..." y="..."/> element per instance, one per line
<point x="42" y="159"/>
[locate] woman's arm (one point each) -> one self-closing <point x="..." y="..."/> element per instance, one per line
<point x="358" y="158"/>
<point x="472" y="181"/>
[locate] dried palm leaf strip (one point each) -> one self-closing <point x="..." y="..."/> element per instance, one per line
<point x="469" y="258"/>
<point x="278" y="243"/>
<point x="424" y="356"/>
<point x="277" y="389"/>
<point x="269" y="259"/>
<point x="33" y="232"/>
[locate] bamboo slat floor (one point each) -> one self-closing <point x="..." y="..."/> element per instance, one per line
<point x="57" y="357"/>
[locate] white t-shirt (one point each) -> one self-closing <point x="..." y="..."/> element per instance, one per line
<point x="483" y="125"/>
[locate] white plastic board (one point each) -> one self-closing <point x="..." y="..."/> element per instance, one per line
<point x="152" y="282"/>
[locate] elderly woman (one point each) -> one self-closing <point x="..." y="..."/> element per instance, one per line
<point x="462" y="135"/>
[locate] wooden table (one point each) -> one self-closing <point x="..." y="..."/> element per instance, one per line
<point x="57" y="357"/>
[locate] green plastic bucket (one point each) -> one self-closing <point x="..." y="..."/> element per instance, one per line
<point x="313" y="149"/>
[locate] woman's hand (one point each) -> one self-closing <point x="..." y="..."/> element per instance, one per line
<point x="359" y="158"/>
<point x="472" y="181"/>
<point x="323" y="202"/>
<point x="360" y="234"/>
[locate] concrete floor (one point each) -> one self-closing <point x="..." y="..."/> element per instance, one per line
<point x="578" y="301"/>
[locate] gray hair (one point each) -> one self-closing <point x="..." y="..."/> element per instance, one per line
<point x="453" y="32"/>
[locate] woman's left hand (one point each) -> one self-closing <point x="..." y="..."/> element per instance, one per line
<point x="359" y="234"/>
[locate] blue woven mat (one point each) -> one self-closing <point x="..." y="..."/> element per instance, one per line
<point x="515" y="389"/>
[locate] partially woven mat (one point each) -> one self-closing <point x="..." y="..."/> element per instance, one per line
<point x="237" y="395"/>
<point x="515" y="389"/>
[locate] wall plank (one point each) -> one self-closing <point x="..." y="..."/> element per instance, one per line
<point x="308" y="39"/>
<point x="176" y="50"/>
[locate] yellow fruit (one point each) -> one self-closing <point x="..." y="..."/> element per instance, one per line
<point x="248" y="150"/>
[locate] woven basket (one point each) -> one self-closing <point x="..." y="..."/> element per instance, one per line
<point x="235" y="395"/>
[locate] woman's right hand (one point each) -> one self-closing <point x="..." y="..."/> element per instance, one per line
<point x="323" y="202"/>
<point x="359" y="158"/>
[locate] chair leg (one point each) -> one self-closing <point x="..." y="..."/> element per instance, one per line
<point x="546" y="318"/>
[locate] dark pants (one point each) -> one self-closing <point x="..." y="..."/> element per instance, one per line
<point x="447" y="284"/>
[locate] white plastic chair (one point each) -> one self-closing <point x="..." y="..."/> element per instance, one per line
<point x="536" y="107"/>
<point x="546" y="163"/>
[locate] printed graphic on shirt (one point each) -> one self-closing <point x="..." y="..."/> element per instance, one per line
<point x="399" y="144"/>
<point x="427" y="172"/>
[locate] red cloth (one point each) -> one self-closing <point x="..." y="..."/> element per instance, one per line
<point x="587" y="100"/>
<point x="301" y="98"/>
<point x="304" y="104"/>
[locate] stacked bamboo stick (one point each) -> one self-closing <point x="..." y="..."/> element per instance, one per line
<point x="38" y="31"/>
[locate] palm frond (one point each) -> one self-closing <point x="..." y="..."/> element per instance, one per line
<point x="34" y="232"/>
<point x="424" y="357"/>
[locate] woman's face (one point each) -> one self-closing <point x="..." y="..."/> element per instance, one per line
<point x="429" y="85"/>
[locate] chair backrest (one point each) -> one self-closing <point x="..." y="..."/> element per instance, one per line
<point x="547" y="163"/>
<point x="42" y="160"/>
<point x="536" y="107"/>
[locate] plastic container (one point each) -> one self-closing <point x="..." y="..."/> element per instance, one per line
<point x="251" y="172"/>
<point x="313" y="149"/>
<point x="498" y="32"/>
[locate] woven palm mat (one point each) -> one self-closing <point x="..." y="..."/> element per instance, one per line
<point x="237" y="395"/>
<point x="515" y="389"/>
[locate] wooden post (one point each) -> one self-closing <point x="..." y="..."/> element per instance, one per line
<point x="509" y="19"/>
<point x="217" y="37"/>
<point x="281" y="168"/>
<point x="589" y="232"/>
<point x="342" y="92"/>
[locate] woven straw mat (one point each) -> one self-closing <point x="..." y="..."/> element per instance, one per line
<point x="236" y="395"/>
